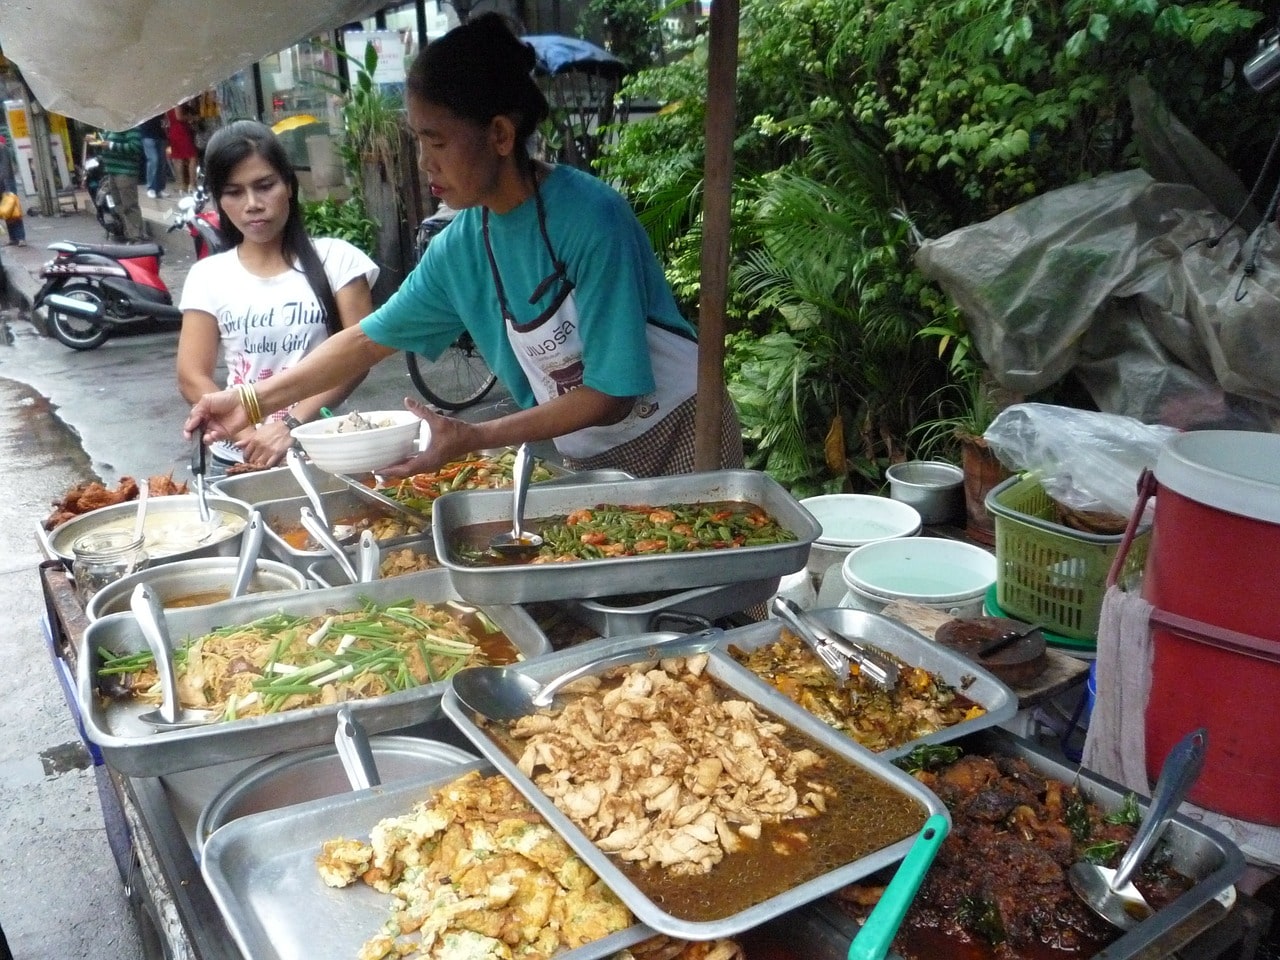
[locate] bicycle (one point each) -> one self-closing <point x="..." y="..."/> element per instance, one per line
<point x="459" y="378"/>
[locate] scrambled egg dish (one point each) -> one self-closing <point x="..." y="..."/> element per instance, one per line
<point x="474" y="873"/>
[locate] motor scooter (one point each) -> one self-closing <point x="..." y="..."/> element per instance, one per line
<point x="91" y="289"/>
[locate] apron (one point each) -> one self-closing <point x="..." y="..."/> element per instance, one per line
<point x="549" y="350"/>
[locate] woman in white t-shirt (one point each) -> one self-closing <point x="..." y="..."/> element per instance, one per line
<point x="271" y="298"/>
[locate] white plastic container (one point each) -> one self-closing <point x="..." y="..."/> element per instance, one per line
<point x="851" y="520"/>
<point x="947" y="575"/>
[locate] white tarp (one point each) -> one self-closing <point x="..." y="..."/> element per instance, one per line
<point x="114" y="63"/>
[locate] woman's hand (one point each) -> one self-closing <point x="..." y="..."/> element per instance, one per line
<point x="450" y="439"/>
<point x="266" y="446"/>
<point x="219" y="415"/>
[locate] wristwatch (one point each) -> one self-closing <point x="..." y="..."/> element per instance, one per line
<point x="291" y="421"/>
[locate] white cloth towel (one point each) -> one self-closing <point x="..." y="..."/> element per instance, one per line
<point x="1115" y="745"/>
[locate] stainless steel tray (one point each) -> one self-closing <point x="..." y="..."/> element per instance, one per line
<point x="723" y="669"/>
<point x="262" y="874"/>
<point x="136" y="749"/>
<point x="337" y="503"/>
<point x="883" y="633"/>
<point x="612" y="576"/>
<point x="277" y="483"/>
<point x="614" y="617"/>
<point x="1196" y="851"/>
<point x="327" y="573"/>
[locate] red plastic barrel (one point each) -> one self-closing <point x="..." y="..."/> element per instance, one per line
<point x="1213" y="559"/>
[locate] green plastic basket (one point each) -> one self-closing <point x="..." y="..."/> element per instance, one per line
<point x="1050" y="574"/>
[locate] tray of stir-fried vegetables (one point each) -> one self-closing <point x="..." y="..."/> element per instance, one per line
<point x="272" y="671"/>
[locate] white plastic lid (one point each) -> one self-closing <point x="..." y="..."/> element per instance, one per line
<point x="1237" y="471"/>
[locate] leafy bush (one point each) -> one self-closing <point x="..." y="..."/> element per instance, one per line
<point x="345" y="219"/>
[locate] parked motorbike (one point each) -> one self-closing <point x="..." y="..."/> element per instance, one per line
<point x="91" y="289"/>
<point x="104" y="204"/>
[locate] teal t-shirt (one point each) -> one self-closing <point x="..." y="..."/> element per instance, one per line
<point x="619" y="286"/>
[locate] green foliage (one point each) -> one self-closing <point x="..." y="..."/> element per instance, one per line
<point x="632" y="30"/>
<point x="371" y="117"/>
<point x="346" y="219"/>
<point x="965" y="107"/>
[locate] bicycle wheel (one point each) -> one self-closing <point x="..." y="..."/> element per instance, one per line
<point x="457" y="379"/>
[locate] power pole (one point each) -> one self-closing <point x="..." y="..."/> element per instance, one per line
<point x="41" y="152"/>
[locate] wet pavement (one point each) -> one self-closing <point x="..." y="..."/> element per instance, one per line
<point x="72" y="416"/>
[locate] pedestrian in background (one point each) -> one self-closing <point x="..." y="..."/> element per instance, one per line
<point x="9" y="184"/>
<point x="182" y="145"/>
<point x="153" y="148"/>
<point x="122" y="162"/>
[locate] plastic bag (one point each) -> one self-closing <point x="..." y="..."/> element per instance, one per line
<point x="10" y="206"/>
<point x="1085" y="460"/>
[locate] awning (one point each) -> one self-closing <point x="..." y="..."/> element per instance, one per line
<point x="118" y="63"/>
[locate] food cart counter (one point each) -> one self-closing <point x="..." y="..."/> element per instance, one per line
<point x="178" y="918"/>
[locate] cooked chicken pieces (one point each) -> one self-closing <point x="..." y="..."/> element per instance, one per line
<point x="658" y="770"/>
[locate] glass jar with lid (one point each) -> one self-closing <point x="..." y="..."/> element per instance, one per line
<point x="105" y="557"/>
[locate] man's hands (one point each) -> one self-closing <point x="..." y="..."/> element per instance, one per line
<point x="449" y="439"/>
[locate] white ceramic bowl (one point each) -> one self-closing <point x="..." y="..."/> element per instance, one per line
<point x="850" y="520"/>
<point x="360" y="451"/>
<point x="942" y="574"/>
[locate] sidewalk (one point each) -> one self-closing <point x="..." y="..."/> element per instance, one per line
<point x="23" y="263"/>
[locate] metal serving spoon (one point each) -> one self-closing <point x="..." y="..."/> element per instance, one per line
<point x="354" y="751"/>
<point x="319" y="532"/>
<point x="517" y="543"/>
<point x="1111" y="893"/>
<point x="369" y="557"/>
<point x="249" y="547"/>
<point x="146" y="606"/>
<point x="506" y="693"/>
<point x="343" y="533"/>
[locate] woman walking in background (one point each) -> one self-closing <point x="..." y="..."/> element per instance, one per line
<point x="9" y="184"/>
<point x="182" y="145"/>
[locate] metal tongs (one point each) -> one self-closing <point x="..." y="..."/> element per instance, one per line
<point x="834" y="650"/>
<point x="198" y="466"/>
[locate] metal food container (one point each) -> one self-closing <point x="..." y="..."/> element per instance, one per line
<point x="291" y="778"/>
<point x="327" y="573"/>
<point x="523" y="583"/>
<point x="1196" y="851"/>
<point x="284" y="514"/>
<point x="615" y="617"/>
<point x="185" y="505"/>
<point x="909" y="646"/>
<point x="184" y="578"/>
<point x="276" y="483"/>
<point x="262" y="874"/>
<point x="721" y="668"/>
<point x="136" y="749"/>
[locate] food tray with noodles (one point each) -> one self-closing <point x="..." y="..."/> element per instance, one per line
<point x="137" y="749"/>
<point x="641" y="613"/>
<point x="1212" y="861"/>
<point x="882" y="633"/>
<point x="882" y="777"/>
<point x="342" y="506"/>
<point x="261" y="870"/>
<point x="610" y="576"/>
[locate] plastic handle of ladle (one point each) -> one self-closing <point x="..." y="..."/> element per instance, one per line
<point x="877" y="933"/>
<point x="1180" y="770"/>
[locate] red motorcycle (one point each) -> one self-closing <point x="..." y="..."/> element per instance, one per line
<point x="91" y="289"/>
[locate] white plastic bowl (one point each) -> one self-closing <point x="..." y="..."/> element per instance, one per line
<point x="361" y="451"/>
<point x="941" y="574"/>
<point x="850" y="520"/>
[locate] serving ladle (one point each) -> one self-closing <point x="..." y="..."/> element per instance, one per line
<point x="1111" y="893"/>
<point x="354" y="751"/>
<point x="319" y="532"/>
<point x="369" y="556"/>
<point x="518" y="543"/>
<point x="146" y="606"/>
<point x="506" y="693"/>
<point x="250" y="545"/>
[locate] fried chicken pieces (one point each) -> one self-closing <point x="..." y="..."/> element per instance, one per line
<point x="92" y="495"/>
<point x="659" y="771"/>
<point x="475" y="873"/>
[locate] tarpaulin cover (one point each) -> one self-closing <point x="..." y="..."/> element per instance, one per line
<point x="556" y="54"/>
<point x="115" y="63"/>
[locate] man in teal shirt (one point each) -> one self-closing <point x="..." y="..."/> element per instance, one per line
<point x="122" y="162"/>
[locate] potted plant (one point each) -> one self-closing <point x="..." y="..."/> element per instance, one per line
<point x="965" y="407"/>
